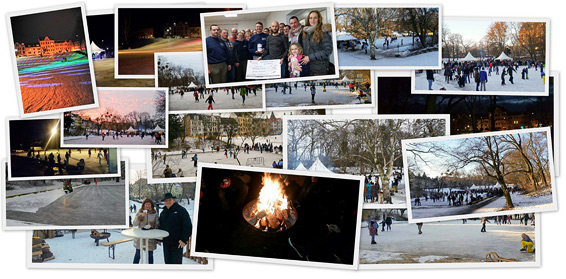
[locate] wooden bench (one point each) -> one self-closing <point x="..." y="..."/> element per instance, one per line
<point x="112" y="245"/>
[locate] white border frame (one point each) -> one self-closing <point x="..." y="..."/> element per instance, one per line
<point x="400" y="5"/>
<point x="126" y="181"/>
<point x="555" y="118"/>
<point x="15" y="64"/>
<point x="125" y="146"/>
<point x="286" y="118"/>
<point x="536" y="263"/>
<point x="195" y="5"/>
<point x="56" y="177"/>
<point x="356" y="255"/>
<point x="203" y="111"/>
<point x="328" y="6"/>
<point x="373" y="89"/>
<point x="489" y="92"/>
<point x="534" y="209"/>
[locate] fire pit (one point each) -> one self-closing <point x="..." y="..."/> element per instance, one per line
<point x="97" y="236"/>
<point x="271" y="212"/>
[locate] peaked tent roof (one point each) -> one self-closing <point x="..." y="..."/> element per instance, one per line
<point x="130" y="129"/>
<point x="95" y="49"/>
<point x="344" y="36"/>
<point x="469" y="57"/>
<point x="157" y="129"/>
<point x="503" y="56"/>
<point x="192" y="85"/>
<point x="301" y="167"/>
<point x="345" y="79"/>
<point x="319" y="166"/>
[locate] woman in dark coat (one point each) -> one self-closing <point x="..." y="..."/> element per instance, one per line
<point x="316" y="41"/>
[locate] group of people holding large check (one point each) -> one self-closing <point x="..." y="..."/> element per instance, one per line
<point x="300" y="50"/>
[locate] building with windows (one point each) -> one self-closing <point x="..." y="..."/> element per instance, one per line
<point x="47" y="46"/>
<point x="181" y="30"/>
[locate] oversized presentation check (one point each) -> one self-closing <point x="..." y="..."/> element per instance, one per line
<point x="263" y="69"/>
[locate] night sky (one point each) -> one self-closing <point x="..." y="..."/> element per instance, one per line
<point x="57" y="25"/>
<point x="28" y="132"/>
<point x="101" y="28"/>
<point x="157" y="18"/>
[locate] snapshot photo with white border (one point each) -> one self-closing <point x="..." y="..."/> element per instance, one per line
<point x="278" y="216"/>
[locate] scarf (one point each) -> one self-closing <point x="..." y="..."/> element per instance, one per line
<point x="294" y="34"/>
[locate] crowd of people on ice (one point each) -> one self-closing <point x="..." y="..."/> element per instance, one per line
<point x="478" y="72"/>
<point x="459" y="197"/>
<point x="157" y="137"/>
<point x="199" y="93"/>
<point x="228" y="153"/>
<point x="60" y="165"/>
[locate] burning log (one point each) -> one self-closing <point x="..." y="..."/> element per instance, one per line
<point x="253" y="221"/>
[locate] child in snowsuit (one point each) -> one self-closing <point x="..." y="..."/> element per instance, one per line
<point x="526" y="244"/>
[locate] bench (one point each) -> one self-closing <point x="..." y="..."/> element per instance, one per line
<point x="112" y="245"/>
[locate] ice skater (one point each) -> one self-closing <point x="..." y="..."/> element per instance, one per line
<point x="313" y="92"/>
<point x="210" y="100"/>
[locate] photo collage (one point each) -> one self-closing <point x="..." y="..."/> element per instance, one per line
<point x="330" y="136"/>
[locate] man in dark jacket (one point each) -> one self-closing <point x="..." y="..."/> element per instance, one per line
<point x="276" y="47"/>
<point x="176" y="221"/>
<point x="218" y="56"/>
<point x="259" y="38"/>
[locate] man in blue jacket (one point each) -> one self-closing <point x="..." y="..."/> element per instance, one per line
<point x="218" y="56"/>
<point x="259" y="38"/>
<point x="483" y="79"/>
<point x="176" y="221"/>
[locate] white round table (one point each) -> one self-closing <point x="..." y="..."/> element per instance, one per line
<point x="145" y="236"/>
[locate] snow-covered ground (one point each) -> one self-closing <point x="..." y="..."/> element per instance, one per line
<point x="300" y="97"/>
<point x="82" y="249"/>
<point x="387" y="56"/>
<point x="430" y="209"/>
<point x="109" y="141"/>
<point x="442" y="242"/>
<point x="534" y="84"/>
<point x="222" y="100"/>
<point x="208" y="156"/>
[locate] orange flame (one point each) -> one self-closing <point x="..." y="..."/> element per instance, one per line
<point x="271" y="197"/>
